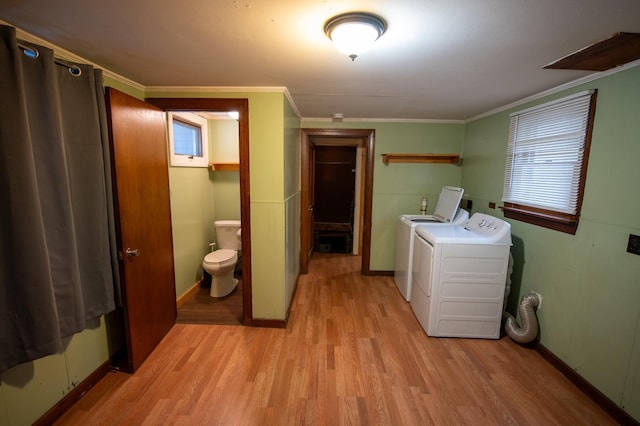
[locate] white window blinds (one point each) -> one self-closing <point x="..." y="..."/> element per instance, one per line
<point x="545" y="154"/>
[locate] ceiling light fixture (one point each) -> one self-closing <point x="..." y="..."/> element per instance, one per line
<point x="354" y="33"/>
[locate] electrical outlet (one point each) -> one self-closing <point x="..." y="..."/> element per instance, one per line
<point x="539" y="298"/>
<point x="634" y="244"/>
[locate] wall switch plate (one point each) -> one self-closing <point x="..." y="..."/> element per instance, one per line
<point x="634" y="244"/>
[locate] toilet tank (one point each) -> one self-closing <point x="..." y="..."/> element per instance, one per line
<point x="227" y="234"/>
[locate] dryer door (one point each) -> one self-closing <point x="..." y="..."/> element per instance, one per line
<point x="402" y="274"/>
<point x="421" y="299"/>
<point x="422" y="264"/>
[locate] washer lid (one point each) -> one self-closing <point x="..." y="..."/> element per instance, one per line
<point x="219" y="256"/>
<point x="413" y="220"/>
<point x="448" y="203"/>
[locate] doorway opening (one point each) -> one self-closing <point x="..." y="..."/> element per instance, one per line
<point x="334" y="198"/>
<point x="336" y="193"/>
<point x="241" y="106"/>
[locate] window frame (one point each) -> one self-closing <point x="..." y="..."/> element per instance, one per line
<point x="547" y="218"/>
<point x="179" y="160"/>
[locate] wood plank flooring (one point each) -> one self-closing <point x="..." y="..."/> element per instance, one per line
<point x="353" y="354"/>
<point x="201" y="308"/>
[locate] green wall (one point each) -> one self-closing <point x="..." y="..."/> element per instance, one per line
<point x="590" y="315"/>
<point x="192" y="217"/>
<point x="398" y="188"/>
<point x="29" y="390"/>
<point x="292" y="149"/>
<point x="224" y="147"/>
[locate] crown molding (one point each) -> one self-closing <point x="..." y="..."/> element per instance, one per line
<point x="221" y="89"/>
<point x="386" y="120"/>
<point x="586" y="79"/>
<point x="72" y="57"/>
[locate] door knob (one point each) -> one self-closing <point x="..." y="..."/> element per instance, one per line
<point x="132" y="252"/>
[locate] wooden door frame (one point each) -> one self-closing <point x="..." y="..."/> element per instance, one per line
<point x="225" y="105"/>
<point x="306" y="235"/>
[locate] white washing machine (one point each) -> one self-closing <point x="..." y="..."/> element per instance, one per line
<point x="447" y="212"/>
<point x="459" y="275"/>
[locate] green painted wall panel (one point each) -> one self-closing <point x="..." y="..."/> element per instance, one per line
<point x="268" y="266"/>
<point x="223" y="141"/>
<point x="631" y="395"/>
<point x="80" y="362"/>
<point x="226" y="195"/>
<point x="590" y="315"/>
<point x="192" y="216"/>
<point x="32" y="388"/>
<point x="292" y="150"/>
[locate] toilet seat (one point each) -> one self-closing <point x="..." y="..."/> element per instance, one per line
<point x="220" y="257"/>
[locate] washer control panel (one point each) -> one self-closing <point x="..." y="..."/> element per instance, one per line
<point x="487" y="225"/>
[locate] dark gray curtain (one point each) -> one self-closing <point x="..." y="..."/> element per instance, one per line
<point x="57" y="267"/>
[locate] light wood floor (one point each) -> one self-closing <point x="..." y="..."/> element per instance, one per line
<point x="353" y="353"/>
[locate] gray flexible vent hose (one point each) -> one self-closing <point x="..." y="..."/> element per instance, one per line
<point x="529" y="329"/>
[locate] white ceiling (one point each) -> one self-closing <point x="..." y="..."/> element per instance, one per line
<point x="439" y="59"/>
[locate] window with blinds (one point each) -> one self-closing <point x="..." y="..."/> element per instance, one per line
<point x="547" y="160"/>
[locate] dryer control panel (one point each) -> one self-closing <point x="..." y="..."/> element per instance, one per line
<point x="488" y="226"/>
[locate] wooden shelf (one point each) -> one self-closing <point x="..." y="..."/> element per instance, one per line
<point x="224" y="167"/>
<point x="421" y="158"/>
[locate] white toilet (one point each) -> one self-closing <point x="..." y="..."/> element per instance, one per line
<point x="221" y="263"/>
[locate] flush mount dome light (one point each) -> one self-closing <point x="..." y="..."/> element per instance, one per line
<point x="354" y="33"/>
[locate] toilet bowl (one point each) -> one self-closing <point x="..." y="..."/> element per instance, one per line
<point x="220" y="264"/>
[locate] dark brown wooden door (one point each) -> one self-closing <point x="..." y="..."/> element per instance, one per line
<point x="141" y="185"/>
<point x="307" y="204"/>
<point x="335" y="171"/>
<point x="311" y="207"/>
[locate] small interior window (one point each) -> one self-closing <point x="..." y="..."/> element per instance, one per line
<point x="188" y="140"/>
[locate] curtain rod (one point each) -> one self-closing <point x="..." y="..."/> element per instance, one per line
<point x="33" y="53"/>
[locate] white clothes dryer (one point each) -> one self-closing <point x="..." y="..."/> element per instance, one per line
<point x="459" y="275"/>
<point x="447" y="212"/>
